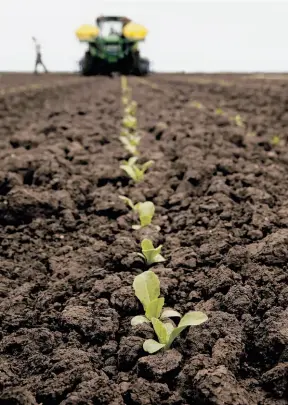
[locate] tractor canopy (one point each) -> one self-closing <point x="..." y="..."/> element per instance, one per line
<point x="112" y="26"/>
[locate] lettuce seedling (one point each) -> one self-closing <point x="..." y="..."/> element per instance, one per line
<point x="197" y="105"/>
<point x="124" y="83"/>
<point x="136" y="172"/>
<point x="124" y="132"/>
<point x="219" y="111"/>
<point x="149" y="253"/>
<point x="130" y="142"/>
<point x="275" y="140"/>
<point x="126" y="97"/>
<point x="167" y="333"/>
<point x="130" y="145"/>
<point x="146" y="211"/>
<point x="131" y="109"/>
<point x="238" y="120"/>
<point x="129" y="122"/>
<point x="147" y="290"/>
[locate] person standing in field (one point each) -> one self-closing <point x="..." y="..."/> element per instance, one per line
<point x="39" y="60"/>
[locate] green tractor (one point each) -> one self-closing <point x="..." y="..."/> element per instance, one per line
<point x="113" y="46"/>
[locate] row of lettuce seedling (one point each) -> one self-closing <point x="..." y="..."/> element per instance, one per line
<point x="147" y="285"/>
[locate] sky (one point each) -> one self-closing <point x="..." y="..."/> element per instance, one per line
<point x="191" y="36"/>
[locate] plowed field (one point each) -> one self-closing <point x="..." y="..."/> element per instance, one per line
<point x="67" y="251"/>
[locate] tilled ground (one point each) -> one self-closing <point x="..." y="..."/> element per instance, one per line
<point x="68" y="253"/>
<point x="15" y="80"/>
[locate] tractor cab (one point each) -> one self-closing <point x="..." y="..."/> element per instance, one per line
<point x="111" y="26"/>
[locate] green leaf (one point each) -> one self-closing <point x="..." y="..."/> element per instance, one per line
<point x="146" y="165"/>
<point x="131" y="108"/>
<point x="151" y="346"/>
<point x="190" y="319"/>
<point x="170" y="313"/>
<point x="146" y="287"/>
<point x="275" y="140"/>
<point x="131" y="149"/>
<point x="154" y="308"/>
<point x="159" y="259"/>
<point x="152" y="255"/>
<point x="138" y="174"/>
<point x="130" y="171"/>
<point x="124" y="133"/>
<point x="160" y="330"/>
<point x="129" y="121"/>
<point x="193" y="318"/>
<point x="146" y="244"/>
<point x="169" y="328"/>
<point x="129" y="145"/>
<point x="137" y="320"/>
<point x="127" y="201"/>
<point x="145" y="220"/>
<point x="146" y="212"/>
<point x="132" y="161"/>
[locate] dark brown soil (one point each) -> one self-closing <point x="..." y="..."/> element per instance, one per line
<point x="9" y="80"/>
<point x="67" y="249"/>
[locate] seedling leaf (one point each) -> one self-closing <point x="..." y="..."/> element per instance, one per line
<point x="170" y="313"/>
<point x="275" y="140"/>
<point x="147" y="244"/>
<point x="160" y="330"/>
<point x="130" y="171"/>
<point x="169" y="327"/>
<point x="151" y="346"/>
<point x="146" y="165"/>
<point x="154" y="308"/>
<point x="130" y="122"/>
<point x="193" y="318"/>
<point x="151" y="254"/>
<point x="190" y="319"/>
<point x="139" y="319"/>
<point x="146" y="212"/>
<point x="146" y="287"/>
<point x="128" y="202"/>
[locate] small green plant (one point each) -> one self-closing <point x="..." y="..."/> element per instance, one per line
<point x="126" y="96"/>
<point x="131" y="109"/>
<point x="129" y="122"/>
<point x="124" y="83"/>
<point x="275" y="140"/>
<point x="147" y="289"/>
<point x="219" y="111"/>
<point x="238" y="121"/>
<point x="136" y="172"/>
<point x="197" y="105"/>
<point x="125" y="133"/>
<point x="130" y="144"/>
<point x="167" y="332"/>
<point x="146" y="211"/>
<point x="149" y="253"/>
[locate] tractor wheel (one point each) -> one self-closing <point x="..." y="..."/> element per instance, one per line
<point x="126" y="66"/>
<point x="143" y="67"/>
<point x="88" y="65"/>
